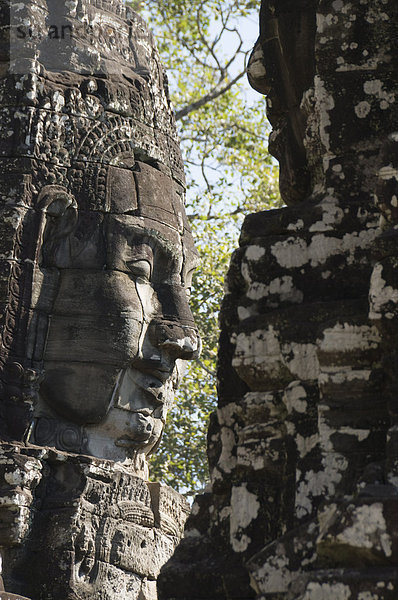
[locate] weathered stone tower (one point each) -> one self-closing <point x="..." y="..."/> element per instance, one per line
<point x="95" y="256"/>
<point x="303" y="448"/>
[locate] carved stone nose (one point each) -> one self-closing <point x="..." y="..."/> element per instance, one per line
<point x="179" y="341"/>
<point x="185" y="348"/>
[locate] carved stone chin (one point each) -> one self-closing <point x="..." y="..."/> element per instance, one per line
<point x="129" y="431"/>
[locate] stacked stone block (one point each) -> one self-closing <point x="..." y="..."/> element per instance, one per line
<point x="303" y="447"/>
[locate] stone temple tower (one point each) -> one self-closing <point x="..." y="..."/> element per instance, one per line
<point x="303" y="447"/>
<point x="95" y="258"/>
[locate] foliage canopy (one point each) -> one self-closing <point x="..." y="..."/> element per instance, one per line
<point x="229" y="174"/>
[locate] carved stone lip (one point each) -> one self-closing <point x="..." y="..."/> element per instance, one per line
<point x="126" y="442"/>
<point x="138" y="436"/>
<point x="158" y="368"/>
<point x="161" y="375"/>
<point x="151" y="376"/>
<point x="142" y="412"/>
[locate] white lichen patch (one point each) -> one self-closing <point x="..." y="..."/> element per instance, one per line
<point x="15" y="478"/>
<point x="13" y="218"/>
<point x="325" y="433"/>
<point x="338" y="5"/>
<point x="227" y="461"/>
<point x="192" y="533"/>
<point x="280" y="287"/>
<point x="345" y="337"/>
<point x="290" y="253"/>
<point x="359" y="434"/>
<point x="381" y="296"/>
<point x="324" y="104"/>
<point x="294" y="252"/>
<point x="370" y="64"/>
<point x="244" y="313"/>
<point x="301" y="360"/>
<point x="295" y="398"/>
<point x="296" y="226"/>
<point x="30" y="474"/>
<point x="256" y="455"/>
<point x="323" y="22"/>
<point x="195" y="509"/>
<point x="388" y="172"/>
<point x="368" y="529"/>
<point x="374" y="87"/>
<point x="225" y="513"/>
<point x="334" y="467"/>
<point x="245" y="271"/>
<point x="244" y="509"/>
<point x="215" y="475"/>
<point x="327" y="591"/>
<point x="260" y="347"/>
<point x="313" y="485"/>
<point x="254" y="253"/>
<point x="373" y="15"/>
<point x="334" y="464"/>
<point x="262" y="352"/>
<point x="58" y="101"/>
<point x="227" y="414"/>
<point x="332" y="214"/>
<point x="274" y="576"/>
<point x="322" y="247"/>
<point x="14" y="499"/>
<point x="342" y="375"/>
<point x="362" y="109"/>
<point x="304" y="445"/>
<point x="347" y="9"/>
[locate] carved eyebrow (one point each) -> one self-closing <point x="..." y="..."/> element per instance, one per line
<point x="172" y="254"/>
<point x="157" y="242"/>
<point x="141" y="250"/>
<point x="138" y="235"/>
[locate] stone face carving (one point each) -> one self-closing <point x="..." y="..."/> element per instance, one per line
<point x="120" y="323"/>
<point x="95" y="268"/>
<point x="302" y="449"/>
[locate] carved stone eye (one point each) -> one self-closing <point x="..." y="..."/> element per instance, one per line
<point x="141" y="268"/>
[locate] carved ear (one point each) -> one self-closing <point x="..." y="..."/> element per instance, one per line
<point x="59" y="219"/>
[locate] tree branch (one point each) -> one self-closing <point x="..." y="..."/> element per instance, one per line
<point x="209" y="371"/>
<point x="217" y="91"/>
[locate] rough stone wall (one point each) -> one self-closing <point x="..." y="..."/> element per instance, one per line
<point x="303" y="447"/>
<point x="77" y="528"/>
